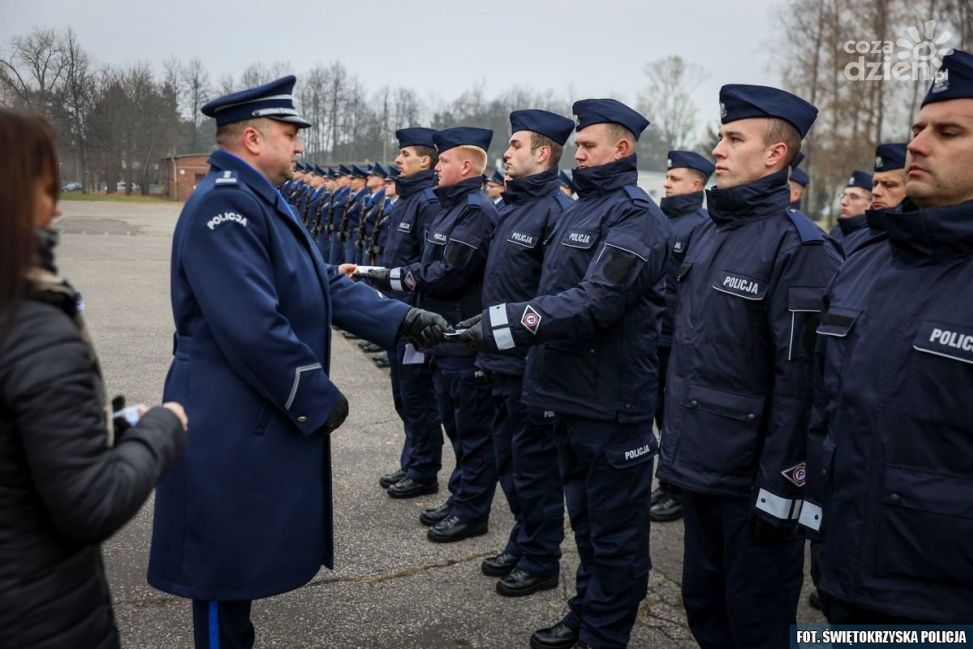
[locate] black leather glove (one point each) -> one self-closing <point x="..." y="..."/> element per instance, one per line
<point x="764" y="532"/>
<point x="423" y="328"/>
<point x="472" y="333"/>
<point x="377" y="277"/>
<point x="337" y="417"/>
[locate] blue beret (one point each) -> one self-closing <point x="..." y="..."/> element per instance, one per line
<point x="552" y="125"/>
<point x="274" y="100"/>
<point x="739" y="101"/>
<point x="566" y="179"/>
<point x="358" y="172"/>
<point x="890" y="156"/>
<point x="861" y="179"/>
<point x="343" y="170"/>
<point x="495" y="177"/>
<point x="600" y="111"/>
<point x="415" y="136"/>
<point x="690" y="160"/>
<point x="954" y="80"/>
<point x="449" y="138"/>
<point x="799" y="177"/>
<point x="377" y="170"/>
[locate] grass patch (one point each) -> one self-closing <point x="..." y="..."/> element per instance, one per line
<point x="114" y="198"/>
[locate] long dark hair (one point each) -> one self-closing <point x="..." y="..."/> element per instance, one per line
<point x="27" y="156"/>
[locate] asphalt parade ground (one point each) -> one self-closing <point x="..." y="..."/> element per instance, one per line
<point x="391" y="587"/>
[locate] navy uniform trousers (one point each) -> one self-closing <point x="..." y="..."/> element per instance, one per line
<point x="530" y="476"/>
<point x="414" y="397"/>
<point x="607" y="494"/>
<point x="222" y="625"/>
<point x="466" y="409"/>
<point x="737" y="591"/>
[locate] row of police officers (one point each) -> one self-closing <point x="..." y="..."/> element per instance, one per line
<point x="805" y="385"/>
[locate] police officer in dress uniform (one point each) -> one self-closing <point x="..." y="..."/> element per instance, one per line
<point x="855" y="201"/>
<point x="448" y="279"/>
<point x="341" y="203"/>
<point x="890" y="484"/>
<point x="353" y="214"/>
<point x="410" y="369"/>
<point x="888" y="178"/>
<point x="594" y="328"/>
<point x="246" y="511"/>
<point x="686" y="178"/>
<point x="494" y="188"/>
<point x="797" y="182"/>
<point x="567" y="185"/>
<point x="738" y="390"/>
<point x="523" y="438"/>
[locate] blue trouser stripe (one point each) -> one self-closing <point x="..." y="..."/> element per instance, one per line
<point x="214" y="626"/>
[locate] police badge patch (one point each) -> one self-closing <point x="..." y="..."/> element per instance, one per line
<point x="410" y="281"/>
<point x="531" y="319"/>
<point x="797" y="474"/>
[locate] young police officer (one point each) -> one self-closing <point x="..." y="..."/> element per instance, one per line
<point x="595" y="324"/>
<point x="738" y="390"/>
<point x="890" y="482"/>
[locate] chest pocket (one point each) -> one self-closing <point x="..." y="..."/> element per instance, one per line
<point x="583" y="239"/>
<point x="742" y="285"/>
<point x="838" y="322"/>
<point x="524" y="239"/>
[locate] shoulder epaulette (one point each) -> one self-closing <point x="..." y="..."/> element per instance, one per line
<point x="430" y="195"/>
<point x="475" y="198"/>
<point x="562" y="199"/>
<point x="227" y="179"/>
<point x="806" y="229"/>
<point x="637" y="194"/>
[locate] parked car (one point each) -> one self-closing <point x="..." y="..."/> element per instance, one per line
<point x="71" y="187"/>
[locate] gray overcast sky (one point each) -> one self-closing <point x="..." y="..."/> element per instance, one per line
<point x="587" y="48"/>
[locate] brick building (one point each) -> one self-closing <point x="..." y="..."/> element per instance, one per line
<point x="182" y="173"/>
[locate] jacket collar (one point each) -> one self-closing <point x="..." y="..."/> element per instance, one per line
<point x="853" y="223"/>
<point x="226" y="161"/>
<point x="450" y="196"/>
<point x="758" y="199"/>
<point x="673" y="206"/>
<point x="606" y="178"/>
<point x="932" y="233"/>
<point x="406" y="186"/>
<point x="521" y="190"/>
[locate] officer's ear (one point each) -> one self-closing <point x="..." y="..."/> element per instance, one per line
<point x="252" y="138"/>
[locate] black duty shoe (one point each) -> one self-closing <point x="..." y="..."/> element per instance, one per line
<point x="657" y="495"/>
<point x="814" y="600"/>
<point x="409" y="488"/>
<point x="390" y="479"/>
<point x="369" y="347"/>
<point x="453" y="528"/>
<point x="433" y="515"/>
<point x="559" y="636"/>
<point x="499" y="565"/>
<point x="669" y="508"/>
<point x="520" y="582"/>
<point x="349" y="335"/>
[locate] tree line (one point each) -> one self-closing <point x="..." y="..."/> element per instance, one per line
<point x="115" y="123"/>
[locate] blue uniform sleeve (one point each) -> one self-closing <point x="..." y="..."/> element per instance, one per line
<point x="460" y="264"/>
<point x="794" y="310"/>
<point x="365" y="312"/>
<point x="631" y="259"/>
<point x="226" y="260"/>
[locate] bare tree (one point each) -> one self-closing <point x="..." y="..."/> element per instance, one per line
<point x="78" y="99"/>
<point x="194" y="89"/>
<point x="666" y="99"/>
<point x="34" y="68"/>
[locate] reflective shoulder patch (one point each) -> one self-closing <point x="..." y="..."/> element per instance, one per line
<point x="806" y="229"/>
<point x="224" y="217"/>
<point x="953" y="341"/>
<point x="637" y="194"/>
<point x="227" y="179"/>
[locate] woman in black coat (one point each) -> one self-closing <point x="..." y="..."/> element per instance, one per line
<point x="70" y="476"/>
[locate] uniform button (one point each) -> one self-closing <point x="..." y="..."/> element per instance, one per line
<point x="693" y="403"/>
<point x="301" y="419"/>
<point x="895" y="499"/>
<point x="751" y="416"/>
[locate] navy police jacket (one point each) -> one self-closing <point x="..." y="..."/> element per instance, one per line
<point x="890" y="482"/>
<point x="408" y="220"/>
<point x="596" y="317"/>
<point x="448" y="279"/>
<point x="850" y="232"/>
<point x="246" y="511"/>
<point x="738" y="389"/>
<point x="532" y="206"/>
<point x="685" y="214"/>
